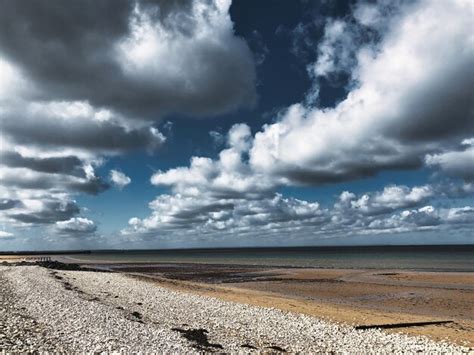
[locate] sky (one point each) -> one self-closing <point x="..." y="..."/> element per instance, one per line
<point x="210" y="123"/>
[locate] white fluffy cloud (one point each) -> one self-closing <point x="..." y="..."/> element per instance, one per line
<point x="6" y="235"/>
<point x="227" y="177"/>
<point x="424" y="218"/>
<point x="395" y="209"/>
<point x="411" y="95"/>
<point x="76" y="226"/>
<point x="335" y="53"/>
<point x="390" y="199"/>
<point x="119" y="179"/>
<point x="184" y="215"/>
<point x="222" y="195"/>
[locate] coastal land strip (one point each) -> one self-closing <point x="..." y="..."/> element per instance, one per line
<point x="349" y="297"/>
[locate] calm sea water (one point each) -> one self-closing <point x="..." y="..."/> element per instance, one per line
<point x="427" y="258"/>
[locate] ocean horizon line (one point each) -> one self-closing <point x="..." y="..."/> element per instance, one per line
<point x="234" y="248"/>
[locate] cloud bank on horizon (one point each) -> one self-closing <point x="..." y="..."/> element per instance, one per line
<point x="84" y="83"/>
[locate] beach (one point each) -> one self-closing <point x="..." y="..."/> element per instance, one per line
<point x="50" y="310"/>
<point x="352" y="296"/>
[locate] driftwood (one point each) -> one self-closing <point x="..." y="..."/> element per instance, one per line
<point x="402" y="325"/>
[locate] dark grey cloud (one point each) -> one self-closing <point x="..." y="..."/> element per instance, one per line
<point x="69" y="165"/>
<point x="347" y="170"/>
<point x="441" y="109"/>
<point x="454" y="190"/>
<point x="457" y="162"/>
<point x="50" y="212"/>
<point x="29" y="180"/>
<point x="7" y="204"/>
<point x="91" y="135"/>
<point x="78" y="46"/>
<point x="92" y="186"/>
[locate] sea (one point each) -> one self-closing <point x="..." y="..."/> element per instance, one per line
<point x="455" y="258"/>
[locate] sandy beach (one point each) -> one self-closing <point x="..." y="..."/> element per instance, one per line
<point x="46" y="309"/>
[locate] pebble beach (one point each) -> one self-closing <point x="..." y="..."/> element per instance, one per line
<point x="82" y="311"/>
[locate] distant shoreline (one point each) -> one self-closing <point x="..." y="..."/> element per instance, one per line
<point x="247" y="248"/>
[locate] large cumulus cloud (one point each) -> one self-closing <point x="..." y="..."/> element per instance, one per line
<point x="411" y="95"/>
<point x="142" y="58"/>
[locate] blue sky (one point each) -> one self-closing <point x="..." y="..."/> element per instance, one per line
<point x="218" y="123"/>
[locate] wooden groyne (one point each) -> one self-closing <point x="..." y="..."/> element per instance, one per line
<point x="37" y="258"/>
